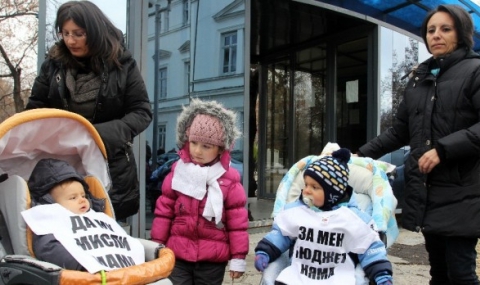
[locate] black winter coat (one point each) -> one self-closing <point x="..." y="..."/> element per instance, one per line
<point x="122" y="112"/>
<point x="441" y="112"/>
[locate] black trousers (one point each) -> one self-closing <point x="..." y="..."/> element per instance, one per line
<point x="198" y="273"/>
<point x="452" y="260"/>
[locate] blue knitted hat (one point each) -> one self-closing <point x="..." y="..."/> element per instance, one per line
<point x="331" y="172"/>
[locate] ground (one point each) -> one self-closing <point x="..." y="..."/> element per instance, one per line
<point x="414" y="254"/>
<point x="478" y="259"/>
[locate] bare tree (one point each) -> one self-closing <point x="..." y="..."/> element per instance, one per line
<point x="396" y="81"/>
<point x="18" y="47"/>
<point x="6" y="99"/>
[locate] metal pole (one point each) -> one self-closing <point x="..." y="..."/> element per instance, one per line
<point x="42" y="23"/>
<point x="156" y="85"/>
<point x="137" y="36"/>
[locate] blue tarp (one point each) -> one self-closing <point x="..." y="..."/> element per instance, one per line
<point x="405" y="14"/>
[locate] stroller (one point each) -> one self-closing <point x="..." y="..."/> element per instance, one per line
<point x="372" y="193"/>
<point x="27" y="137"/>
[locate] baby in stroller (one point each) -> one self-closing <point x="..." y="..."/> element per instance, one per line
<point x="66" y="235"/>
<point x="325" y="232"/>
<point x="372" y="194"/>
<point x="27" y="138"/>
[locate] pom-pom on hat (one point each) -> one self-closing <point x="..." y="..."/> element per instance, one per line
<point x="331" y="172"/>
<point x="206" y="129"/>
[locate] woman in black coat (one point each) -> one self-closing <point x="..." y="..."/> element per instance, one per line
<point x="439" y="118"/>
<point x="90" y="72"/>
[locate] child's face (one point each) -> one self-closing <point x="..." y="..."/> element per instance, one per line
<point x="71" y="195"/>
<point x="313" y="191"/>
<point x="203" y="153"/>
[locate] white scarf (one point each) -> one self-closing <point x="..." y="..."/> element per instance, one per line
<point x="192" y="180"/>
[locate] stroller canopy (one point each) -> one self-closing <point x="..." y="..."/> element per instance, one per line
<point x="29" y="136"/>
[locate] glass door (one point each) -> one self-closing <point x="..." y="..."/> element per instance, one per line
<point x="310" y="101"/>
<point x="351" y="95"/>
<point x="277" y="133"/>
<point x="313" y="96"/>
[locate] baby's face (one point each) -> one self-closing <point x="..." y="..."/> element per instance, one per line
<point x="71" y="195"/>
<point x="313" y="192"/>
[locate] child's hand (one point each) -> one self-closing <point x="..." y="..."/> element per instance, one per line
<point x="261" y="261"/>
<point x="385" y="279"/>
<point x="235" y="274"/>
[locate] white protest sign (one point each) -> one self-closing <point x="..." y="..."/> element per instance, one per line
<point x="94" y="239"/>
<point x="323" y="241"/>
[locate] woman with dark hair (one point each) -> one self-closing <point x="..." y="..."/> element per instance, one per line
<point x="90" y="72"/>
<point x="439" y="118"/>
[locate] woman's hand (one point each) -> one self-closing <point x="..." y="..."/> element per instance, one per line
<point x="428" y="161"/>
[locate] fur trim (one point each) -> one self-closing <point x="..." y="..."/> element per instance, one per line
<point x="228" y="118"/>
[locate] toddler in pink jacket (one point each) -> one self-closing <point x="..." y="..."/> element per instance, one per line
<point x="201" y="214"/>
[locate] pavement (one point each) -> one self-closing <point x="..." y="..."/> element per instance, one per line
<point x="404" y="272"/>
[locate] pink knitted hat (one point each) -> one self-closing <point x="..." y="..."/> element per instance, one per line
<point x="206" y="129"/>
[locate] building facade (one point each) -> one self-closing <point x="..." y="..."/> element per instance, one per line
<point x="200" y="55"/>
<point x="299" y="75"/>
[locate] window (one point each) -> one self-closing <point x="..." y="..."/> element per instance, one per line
<point x="185" y="12"/>
<point x="162" y="133"/>
<point x="229" y="46"/>
<point x="187" y="77"/>
<point x="162" y="86"/>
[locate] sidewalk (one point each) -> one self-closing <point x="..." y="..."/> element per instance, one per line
<point x="404" y="272"/>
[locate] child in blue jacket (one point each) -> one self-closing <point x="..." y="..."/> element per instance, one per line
<point x="327" y="235"/>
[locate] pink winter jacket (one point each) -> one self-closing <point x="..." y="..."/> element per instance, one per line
<point x="179" y="223"/>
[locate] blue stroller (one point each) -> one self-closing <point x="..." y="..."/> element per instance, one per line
<point x="372" y="192"/>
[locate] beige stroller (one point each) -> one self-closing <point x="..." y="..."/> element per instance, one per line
<point x="27" y="137"/>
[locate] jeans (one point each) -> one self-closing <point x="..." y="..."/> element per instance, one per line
<point x="452" y="260"/>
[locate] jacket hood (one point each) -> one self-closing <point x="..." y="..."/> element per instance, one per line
<point x="211" y="108"/>
<point x="48" y="173"/>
